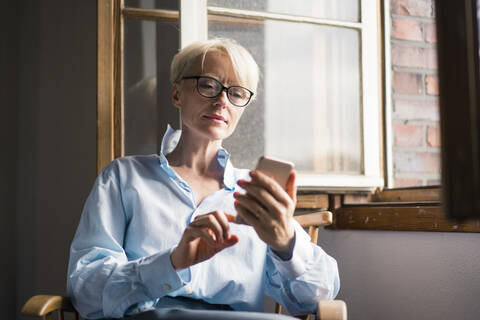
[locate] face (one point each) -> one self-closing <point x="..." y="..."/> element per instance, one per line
<point x="210" y="118"/>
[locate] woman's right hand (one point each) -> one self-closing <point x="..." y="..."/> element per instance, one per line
<point x="207" y="235"/>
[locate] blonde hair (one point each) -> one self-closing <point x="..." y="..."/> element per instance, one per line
<point x="245" y="67"/>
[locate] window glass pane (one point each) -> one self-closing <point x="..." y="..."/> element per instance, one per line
<point x="308" y="106"/>
<point x="152" y="4"/>
<point x="148" y="106"/>
<point x="347" y="10"/>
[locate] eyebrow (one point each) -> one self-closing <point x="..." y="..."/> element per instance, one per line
<point x="227" y="83"/>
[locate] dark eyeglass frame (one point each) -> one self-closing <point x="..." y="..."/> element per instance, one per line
<point x="226" y="89"/>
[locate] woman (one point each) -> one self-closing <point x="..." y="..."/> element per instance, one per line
<point x="158" y="232"/>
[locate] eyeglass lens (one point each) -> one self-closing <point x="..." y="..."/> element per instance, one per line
<point x="210" y="88"/>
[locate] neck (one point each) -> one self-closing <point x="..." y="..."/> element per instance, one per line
<point x="195" y="153"/>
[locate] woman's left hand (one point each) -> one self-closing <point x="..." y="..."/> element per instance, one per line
<point x="269" y="209"/>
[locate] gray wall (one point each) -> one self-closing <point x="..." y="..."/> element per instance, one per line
<point x="8" y="157"/>
<point x="48" y="118"/>
<point x="407" y="275"/>
<point x="47" y="166"/>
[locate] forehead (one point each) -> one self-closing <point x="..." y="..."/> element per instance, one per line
<point x="216" y="64"/>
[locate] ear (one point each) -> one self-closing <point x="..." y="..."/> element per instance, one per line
<point x="176" y="95"/>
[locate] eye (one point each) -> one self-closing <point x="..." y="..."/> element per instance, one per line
<point x="208" y="84"/>
<point x="239" y="93"/>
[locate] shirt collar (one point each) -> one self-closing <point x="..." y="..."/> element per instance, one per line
<point x="169" y="142"/>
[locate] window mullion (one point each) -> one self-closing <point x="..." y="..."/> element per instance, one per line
<point x="370" y="89"/>
<point x="193" y="21"/>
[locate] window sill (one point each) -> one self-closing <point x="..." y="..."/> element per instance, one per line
<point x="408" y="209"/>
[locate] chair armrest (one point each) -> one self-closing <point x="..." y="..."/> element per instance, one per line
<point x="41" y="305"/>
<point x="332" y="310"/>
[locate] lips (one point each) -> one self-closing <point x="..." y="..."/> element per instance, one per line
<point x="215" y="117"/>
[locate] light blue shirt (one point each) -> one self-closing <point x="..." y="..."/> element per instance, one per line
<point x="135" y="216"/>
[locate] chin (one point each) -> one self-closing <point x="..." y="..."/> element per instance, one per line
<point x="217" y="133"/>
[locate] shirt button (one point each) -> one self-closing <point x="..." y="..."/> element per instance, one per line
<point x="188" y="290"/>
<point x="166" y="287"/>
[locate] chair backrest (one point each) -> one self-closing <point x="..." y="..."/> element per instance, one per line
<point x="311" y="221"/>
<point x="43" y="306"/>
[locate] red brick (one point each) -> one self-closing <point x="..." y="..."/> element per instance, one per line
<point x="405" y="109"/>
<point x="407" y="29"/>
<point x="434" y="182"/>
<point x="416" y="57"/>
<point x="433" y="136"/>
<point x="408" y="135"/>
<point x="420" y="8"/>
<point x="432" y="62"/>
<point x="407" y="82"/>
<point x="431" y="83"/>
<point x="416" y="161"/>
<point x="431" y="33"/>
<point x="406" y="182"/>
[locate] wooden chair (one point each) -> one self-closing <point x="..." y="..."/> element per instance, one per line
<point x="334" y="310"/>
<point x="45" y="306"/>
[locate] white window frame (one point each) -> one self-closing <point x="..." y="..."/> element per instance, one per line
<point x="194" y="26"/>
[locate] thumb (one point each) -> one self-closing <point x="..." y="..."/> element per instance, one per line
<point x="230" y="218"/>
<point x="292" y="187"/>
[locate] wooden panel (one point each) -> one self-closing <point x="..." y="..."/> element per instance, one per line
<point x="110" y="133"/>
<point x="459" y="86"/>
<point x="105" y="82"/>
<point x="320" y="218"/>
<point x="410" y="194"/>
<point x="312" y="201"/>
<point x="150" y="14"/>
<point x="399" y="218"/>
<point x="119" y="136"/>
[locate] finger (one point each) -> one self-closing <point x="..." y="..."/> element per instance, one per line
<point x="229" y="242"/>
<point x="263" y="196"/>
<point x="246" y="215"/>
<point x="271" y="185"/>
<point x="253" y="206"/>
<point x="193" y="233"/>
<point x="233" y="218"/>
<point x="223" y="221"/>
<point x="292" y="187"/>
<point x="230" y="217"/>
<point x="209" y="221"/>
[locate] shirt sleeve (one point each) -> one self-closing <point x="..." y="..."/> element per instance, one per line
<point x="309" y="276"/>
<point x="101" y="281"/>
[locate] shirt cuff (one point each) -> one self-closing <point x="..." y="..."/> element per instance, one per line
<point x="297" y="265"/>
<point x="158" y="275"/>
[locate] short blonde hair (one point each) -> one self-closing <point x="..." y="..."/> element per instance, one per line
<point x="246" y="69"/>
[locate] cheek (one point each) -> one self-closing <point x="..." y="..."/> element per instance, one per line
<point x="236" y="115"/>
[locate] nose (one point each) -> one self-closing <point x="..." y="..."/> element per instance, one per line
<point x="222" y="99"/>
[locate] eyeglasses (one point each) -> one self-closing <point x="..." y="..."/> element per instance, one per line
<point x="209" y="87"/>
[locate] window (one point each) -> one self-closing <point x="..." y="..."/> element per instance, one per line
<point x="318" y="104"/>
<point x="329" y="99"/>
<point x="337" y="149"/>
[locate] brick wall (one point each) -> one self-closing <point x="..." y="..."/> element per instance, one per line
<point x="415" y="117"/>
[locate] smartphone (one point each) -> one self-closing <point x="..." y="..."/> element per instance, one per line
<point x="278" y="169"/>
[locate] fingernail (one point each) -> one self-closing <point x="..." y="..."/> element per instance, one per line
<point x="252" y="173"/>
<point x="235" y="203"/>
